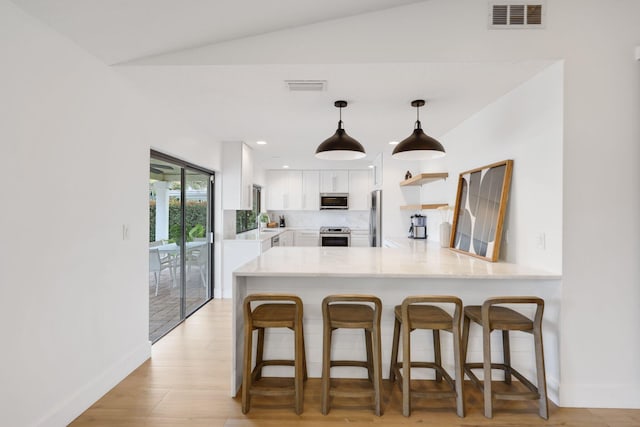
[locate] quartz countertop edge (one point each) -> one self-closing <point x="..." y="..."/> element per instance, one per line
<point x="426" y="261"/>
<point x="257" y="236"/>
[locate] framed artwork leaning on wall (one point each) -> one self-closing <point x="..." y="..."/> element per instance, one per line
<point x="481" y="202"/>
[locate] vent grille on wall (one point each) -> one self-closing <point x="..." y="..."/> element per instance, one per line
<point x="523" y="15"/>
<point x="306" y="85"/>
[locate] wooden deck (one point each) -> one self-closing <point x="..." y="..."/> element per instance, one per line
<point x="164" y="309"/>
<point x="186" y="383"/>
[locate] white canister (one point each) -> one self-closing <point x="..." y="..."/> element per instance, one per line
<point x="445" y="234"/>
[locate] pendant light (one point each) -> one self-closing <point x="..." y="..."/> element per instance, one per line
<point x="340" y="146"/>
<point x="419" y="145"/>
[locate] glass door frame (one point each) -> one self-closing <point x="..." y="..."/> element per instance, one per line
<point x="211" y="227"/>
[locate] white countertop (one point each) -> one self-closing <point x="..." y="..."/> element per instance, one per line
<point x="413" y="259"/>
<point x="258" y="236"/>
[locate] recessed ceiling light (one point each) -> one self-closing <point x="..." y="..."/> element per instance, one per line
<point x="393" y="142"/>
<point x="261" y="142"/>
<point x="370" y="166"/>
<point x="285" y="166"/>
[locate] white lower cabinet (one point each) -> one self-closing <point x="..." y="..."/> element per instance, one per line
<point x="307" y="238"/>
<point x="286" y="238"/>
<point x="359" y="238"/>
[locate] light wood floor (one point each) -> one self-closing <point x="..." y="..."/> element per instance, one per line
<point x="186" y="383"/>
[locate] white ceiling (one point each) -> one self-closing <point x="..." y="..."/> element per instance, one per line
<point x="251" y="102"/>
<point x="122" y="30"/>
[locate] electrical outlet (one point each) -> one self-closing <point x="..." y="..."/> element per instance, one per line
<point x="541" y="241"/>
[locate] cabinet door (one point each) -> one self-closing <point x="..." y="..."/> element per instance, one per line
<point x="277" y="186"/>
<point x="359" y="238"/>
<point x="284" y="190"/>
<point x="377" y="172"/>
<point x="306" y="238"/>
<point x="334" y="181"/>
<point x="293" y="199"/>
<point x="247" y="178"/>
<point x="286" y="238"/>
<point x="310" y="190"/>
<point x="359" y="190"/>
<point x="237" y="176"/>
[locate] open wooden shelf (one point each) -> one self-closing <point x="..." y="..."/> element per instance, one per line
<point x="424" y="178"/>
<point x="423" y="207"/>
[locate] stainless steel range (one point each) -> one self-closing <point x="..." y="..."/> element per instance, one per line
<point x="335" y="236"/>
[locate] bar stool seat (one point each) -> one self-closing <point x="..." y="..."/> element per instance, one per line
<point x="285" y="313"/>
<point x="353" y="312"/>
<point x="491" y="317"/>
<point x="415" y="314"/>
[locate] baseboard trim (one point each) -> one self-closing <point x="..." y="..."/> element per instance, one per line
<point x="74" y="405"/>
<point x="618" y="396"/>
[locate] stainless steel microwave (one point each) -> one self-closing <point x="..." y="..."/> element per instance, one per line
<point x="334" y="201"/>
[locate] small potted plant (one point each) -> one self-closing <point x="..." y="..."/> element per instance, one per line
<point x="263" y="220"/>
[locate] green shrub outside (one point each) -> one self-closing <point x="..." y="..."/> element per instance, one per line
<point x="195" y="219"/>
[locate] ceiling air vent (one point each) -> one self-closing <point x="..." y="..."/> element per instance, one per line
<point x="306" y="85"/>
<point x="510" y="14"/>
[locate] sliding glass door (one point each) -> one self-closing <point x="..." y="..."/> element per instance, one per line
<point x="180" y="241"/>
<point x="198" y="241"/>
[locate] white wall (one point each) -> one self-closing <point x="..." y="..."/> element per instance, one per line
<point x="73" y="294"/>
<point x="524" y="125"/>
<point x="396" y="222"/>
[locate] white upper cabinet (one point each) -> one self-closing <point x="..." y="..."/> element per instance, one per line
<point x="377" y="172"/>
<point x="359" y="190"/>
<point x="284" y="190"/>
<point x="310" y="190"/>
<point x="334" y="181"/>
<point x="300" y="190"/>
<point x="237" y="176"/>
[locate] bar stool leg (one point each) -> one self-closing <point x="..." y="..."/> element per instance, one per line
<point x="466" y="324"/>
<point x="406" y="370"/>
<point x="377" y="368"/>
<point x="326" y="367"/>
<point x="259" y="353"/>
<point x="394" y="351"/>
<point x="304" y="355"/>
<point x="368" y="345"/>
<point x="459" y="372"/>
<point x="542" y="382"/>
<point x="300" y="369"/>
<point x="246" y="375"/>
<point x="486" y="350"/>
<point x="506" y="351"/>
<point x="437" y="353"/>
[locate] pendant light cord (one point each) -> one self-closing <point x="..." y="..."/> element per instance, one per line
<point x="417" y="125"/>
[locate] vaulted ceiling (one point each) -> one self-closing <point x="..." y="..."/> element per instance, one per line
<point x="222" y="66"/>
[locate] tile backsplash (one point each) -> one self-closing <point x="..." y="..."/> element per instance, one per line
<point x="317" y="219"/>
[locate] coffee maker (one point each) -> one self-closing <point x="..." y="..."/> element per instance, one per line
<point x="418" y="229"/>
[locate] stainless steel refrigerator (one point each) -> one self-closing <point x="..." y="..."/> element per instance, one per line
<point x="375" y="219"/>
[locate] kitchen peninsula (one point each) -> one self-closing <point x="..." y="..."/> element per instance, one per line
<point x="411" y="268"/>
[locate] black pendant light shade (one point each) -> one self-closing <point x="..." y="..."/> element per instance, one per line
<point x="340" y="146"/>
<point x="418" y="145"/>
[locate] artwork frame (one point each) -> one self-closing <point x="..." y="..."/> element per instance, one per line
<point x="481" y="203"/>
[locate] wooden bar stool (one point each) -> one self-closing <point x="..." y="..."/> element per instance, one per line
<point x="352" y="312"/>
<point x="415" y="314"/>
<point x="493" y="317"/>
<point x="276" y="311"/>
